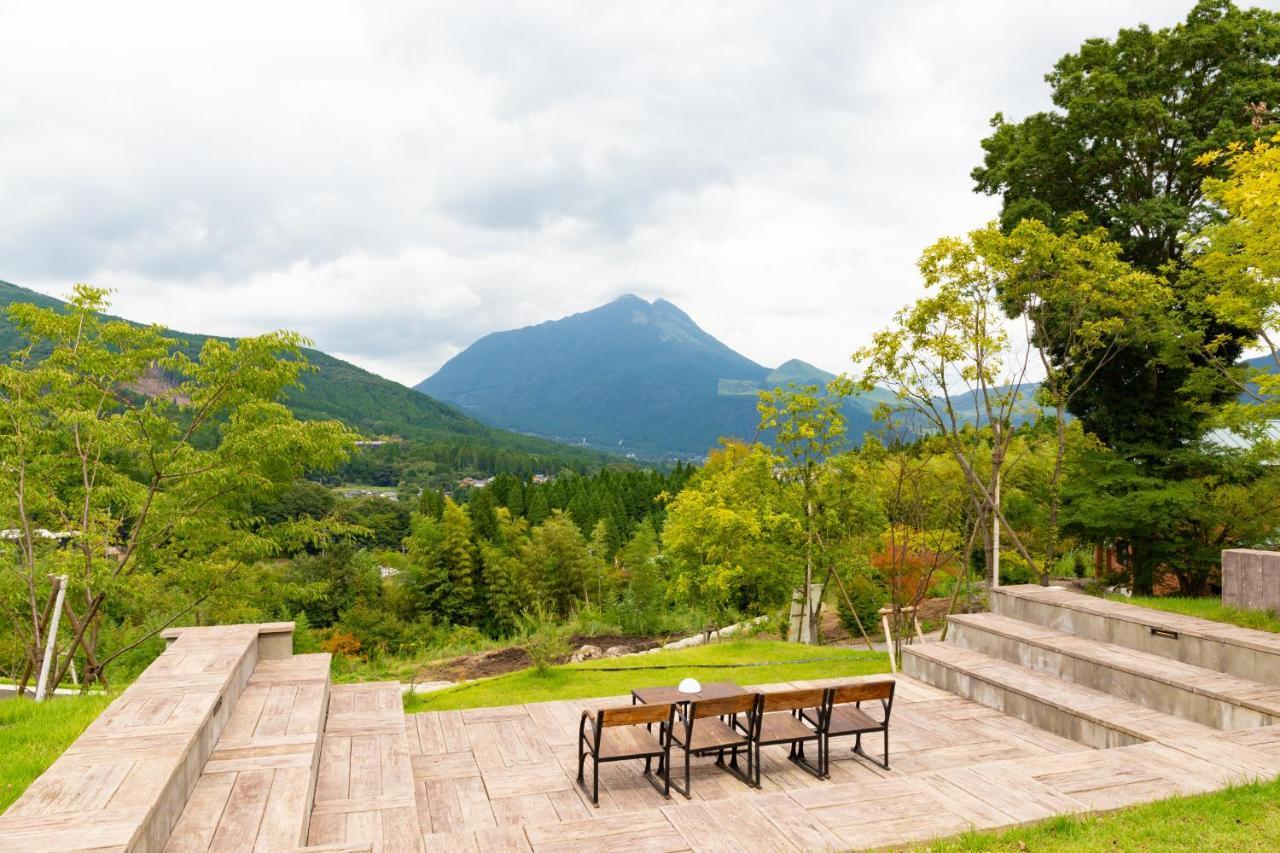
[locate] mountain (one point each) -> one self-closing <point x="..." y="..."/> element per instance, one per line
<point x="630" y="376"/>
<point x="376" y="407"/>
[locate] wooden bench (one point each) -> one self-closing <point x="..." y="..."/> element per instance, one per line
<point x="700" y="731"/>
<point x="781" y="720"/>
<point x="842" y="721"/>
<point x="617" y="735"/>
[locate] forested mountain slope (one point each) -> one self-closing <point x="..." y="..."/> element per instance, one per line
<point x="380" y="407"/>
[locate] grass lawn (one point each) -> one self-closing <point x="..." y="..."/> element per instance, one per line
<point x="1242" y="818"/>
<point x="1208" y="608"/>
<point x="32" y="736"/>
<point x="717" y="662"/>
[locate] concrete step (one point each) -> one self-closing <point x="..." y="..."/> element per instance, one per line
<point x="1184" y="690"/>
<point x="256" y="789"/>
<point x="1243" y="652"/>
<point x="1080" y="713"/>
<point x="124" y="782"/>
<point x="365" y="789"/>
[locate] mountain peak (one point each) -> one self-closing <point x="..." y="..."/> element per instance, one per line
<point x="631" y="375"/>
<point x="629" y="299"/>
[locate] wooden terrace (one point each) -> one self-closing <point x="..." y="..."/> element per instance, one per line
<point x="230" y="742"/>
<point x="503" y="779"/>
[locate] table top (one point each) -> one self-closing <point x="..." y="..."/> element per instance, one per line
<point x="662" y="695"/>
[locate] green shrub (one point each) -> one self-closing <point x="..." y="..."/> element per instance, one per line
<point x="868" y="594"/>
<point x="1014" y="569"/>
<point x="466" y="637"/>
<point x="545" y="639"/>
<point x="378" y="632"/>
<point x="944" y="587"/>
<point x="305" y="639"/>
<point x="546" y="647"/>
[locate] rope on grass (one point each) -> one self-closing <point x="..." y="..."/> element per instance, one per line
<point x="466" y="684"/>
<point x="706" y="665"/>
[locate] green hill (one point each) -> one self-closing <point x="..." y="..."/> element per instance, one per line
<point x="379" y="407"/>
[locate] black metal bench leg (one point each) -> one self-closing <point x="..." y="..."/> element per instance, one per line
<point x="799" y="758"/>
<point x="857" y="748"/>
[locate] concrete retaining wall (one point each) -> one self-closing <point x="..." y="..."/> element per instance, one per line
<point x="1039" y="712"/>
<point x="1161" y="695"/>
<point x="1227" y="654"/>
<point x="1251" y="579"/>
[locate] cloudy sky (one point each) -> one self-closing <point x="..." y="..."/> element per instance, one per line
<point x="396" y="180"/>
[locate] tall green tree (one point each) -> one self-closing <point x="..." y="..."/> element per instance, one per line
<point x="557" y="564"/>
<point x="957" y="370"/>
<point x="443" y="557"/>
<point x="734" y="534"/>
<point x="1132" y="116"/>
<point x="504" y="595"/>
<point x="646" y="590"/>
<point x="1085" y="306"/>
<point x="1237" y="261"/>
<point x="808" y="428"/>
<point x="152" y="491"/>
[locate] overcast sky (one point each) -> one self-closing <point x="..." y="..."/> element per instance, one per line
<point x="396" y="180"/>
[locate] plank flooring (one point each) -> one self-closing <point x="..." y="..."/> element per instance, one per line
<point x="365" y="785"/>
<point x="256" y="789"/>
<point x="503" y="779"/>
<point x="247" y="754"/>
<point x="122" y="784"/>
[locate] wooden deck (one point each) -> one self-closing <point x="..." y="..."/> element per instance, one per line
<point x="503" y="778"/>
<point x="365" y="790"/>
<point x="229" y="743"/>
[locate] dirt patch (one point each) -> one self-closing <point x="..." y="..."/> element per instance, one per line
<point x="513" y="658"/>
<point x="478" y="665"/>
<point x="633" y="642"/>
<point x="933" y="609"/>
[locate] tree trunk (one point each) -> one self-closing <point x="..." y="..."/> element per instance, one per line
<point x="806" y="614"/>
<point x="985" y="532"/>
<point x="1055" y="493"/>
<point x="995" y="529"/>
<point x="1144" y="568"/>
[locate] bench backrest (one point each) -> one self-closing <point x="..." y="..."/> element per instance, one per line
<point x="743" y="704"/>
<point x="793" y="700"/>
<point x="634" y="715"/>
<point x="863" y="691"/>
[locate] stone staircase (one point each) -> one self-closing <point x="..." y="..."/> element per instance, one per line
<point x="230" y="742"/>
<point x="1105" y="673"/>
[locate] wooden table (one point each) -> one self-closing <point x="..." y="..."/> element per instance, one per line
<point x="663" y="695"/>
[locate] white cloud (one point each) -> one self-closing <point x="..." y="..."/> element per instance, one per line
<point x="397" y="180"/>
